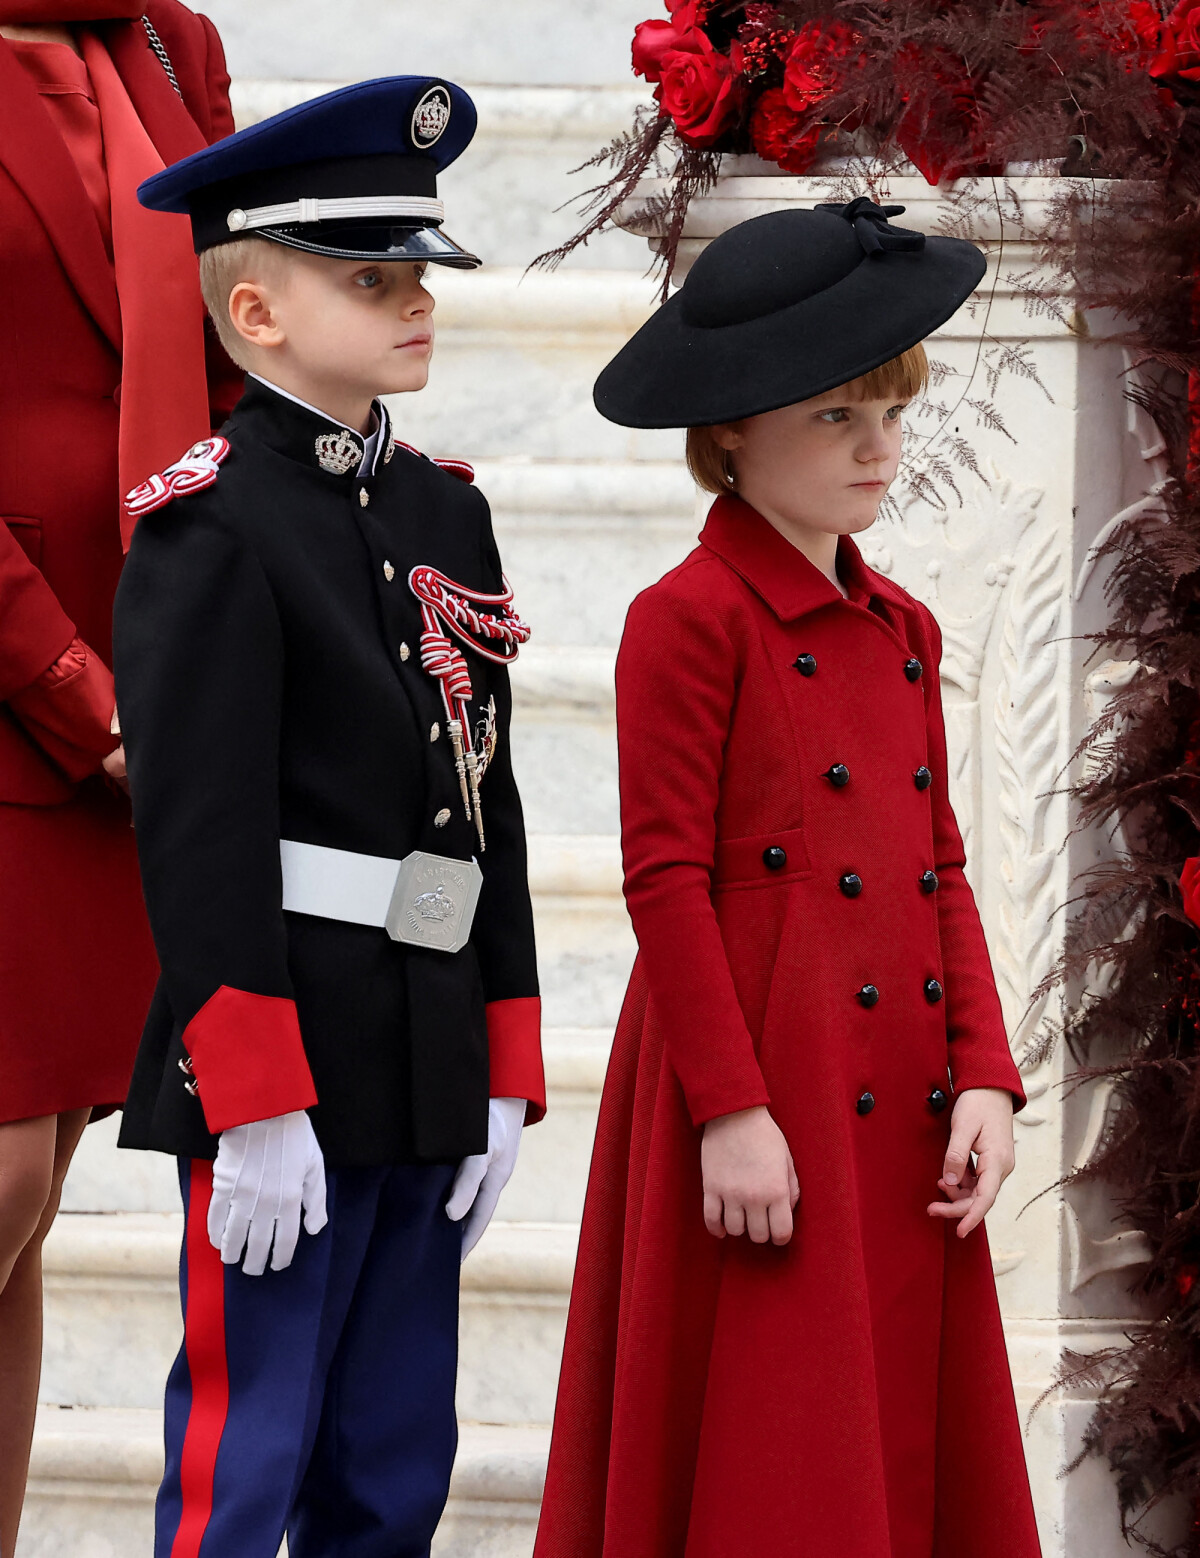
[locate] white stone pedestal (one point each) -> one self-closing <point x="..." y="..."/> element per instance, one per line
<point x="1010" y="576"/>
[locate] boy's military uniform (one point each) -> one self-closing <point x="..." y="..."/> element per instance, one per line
<point x="312" y="640"/>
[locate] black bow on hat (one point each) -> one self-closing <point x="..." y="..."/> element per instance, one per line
<point x="784" y="307"/>
<point x="872" y="228"/>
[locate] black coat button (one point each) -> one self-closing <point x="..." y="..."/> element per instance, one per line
<point x="806" y="665"/>
<point x="913" y="669"/>
<point x="922" y="778"/>
<point x="774" y="858"/>
<point x="838" y="775"/>
<point x="933" y="991"/>
<point x="850" y="884"/>
<point x="929" y="882"/>
<point x="867" y="996"/>
<point x="937" y="1100"/>
<point x="866" y="1103"/>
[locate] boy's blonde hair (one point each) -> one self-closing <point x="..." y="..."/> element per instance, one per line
<point x="221" y="269"/>
<point x="902" y="377"/>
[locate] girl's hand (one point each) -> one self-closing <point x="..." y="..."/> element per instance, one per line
<point x="982" y="1124"/>
<point x="750" y="1183"/>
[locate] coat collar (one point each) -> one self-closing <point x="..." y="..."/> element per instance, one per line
<point x="773" y="568"/>
<point x="301" y="433"/>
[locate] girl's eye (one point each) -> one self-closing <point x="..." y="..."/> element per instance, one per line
<point x="835" y="414"/>
<point x="893" y="413"/>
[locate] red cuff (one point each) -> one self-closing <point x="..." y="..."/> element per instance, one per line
<point x="68" y="711"/>
<point x="248" y="1058"/>
<point x="515" y="1053"/>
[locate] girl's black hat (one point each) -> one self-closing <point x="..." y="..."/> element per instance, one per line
<point x="784" y="307"/>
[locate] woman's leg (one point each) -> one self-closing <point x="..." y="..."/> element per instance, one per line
<point x="34" y="1158"/>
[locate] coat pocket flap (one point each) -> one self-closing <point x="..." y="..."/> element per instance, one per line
<point x="764" y="858"/>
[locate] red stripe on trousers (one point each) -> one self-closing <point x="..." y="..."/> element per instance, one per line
<point x="204" y="1344"/>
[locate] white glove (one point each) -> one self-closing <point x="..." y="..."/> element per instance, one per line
<point x="481" y="1178"/>
<point x="264" y="1173"/>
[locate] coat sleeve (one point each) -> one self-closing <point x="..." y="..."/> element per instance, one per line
<point x="979" y="1052"/>
<point x="68" y="711"/>
<point x="199" y="676"/>
<point x="676" y="686"/>
<point x="34" y="629"/>
<point x="503" y="931"/>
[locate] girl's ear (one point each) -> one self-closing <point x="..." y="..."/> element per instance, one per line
<point x="728" y="435"/>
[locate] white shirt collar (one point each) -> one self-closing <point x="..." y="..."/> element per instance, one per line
<point x="372" y="440"/>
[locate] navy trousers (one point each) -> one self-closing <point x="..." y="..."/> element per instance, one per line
<point x="317" y="1400"/>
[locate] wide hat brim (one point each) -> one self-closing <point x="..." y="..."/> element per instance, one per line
<point x="679" y="374"/>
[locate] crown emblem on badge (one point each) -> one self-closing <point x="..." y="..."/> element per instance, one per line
<point x="430" y="117"/>
<point x="338" y="452"/>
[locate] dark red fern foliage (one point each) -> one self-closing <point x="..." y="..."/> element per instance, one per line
<point x="989" y="83"/>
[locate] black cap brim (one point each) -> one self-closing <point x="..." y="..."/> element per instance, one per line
<point x="373" y="241"/>
<point x="677" y="374"/>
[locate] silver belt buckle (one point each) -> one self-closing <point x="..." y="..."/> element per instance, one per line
<point x="433" y="902"/>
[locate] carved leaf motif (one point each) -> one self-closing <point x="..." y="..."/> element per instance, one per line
<point x="1027" y="750"/>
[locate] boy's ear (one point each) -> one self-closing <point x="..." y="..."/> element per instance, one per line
<point x="252" y="315"/>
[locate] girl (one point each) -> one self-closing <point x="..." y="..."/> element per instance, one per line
<point x="784" y="1338"/>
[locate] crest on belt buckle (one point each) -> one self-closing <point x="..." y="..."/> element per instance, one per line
<point x="433" y="903"/>
<point x="430" y="118"/>
<point x="338" y="452"/>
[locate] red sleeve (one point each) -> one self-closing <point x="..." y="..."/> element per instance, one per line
<point x="217" y="77"/>
<point x="68" y="711"/>
<point x="34" y="629"/>
<point x="676" y="682"/>
<point x="979" y="1052"/>
<point x="515" y="1053"/>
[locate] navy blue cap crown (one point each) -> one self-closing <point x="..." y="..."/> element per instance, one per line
<point x="352" y="174"/>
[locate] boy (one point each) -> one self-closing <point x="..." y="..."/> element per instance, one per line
<point x="312" y="635"/>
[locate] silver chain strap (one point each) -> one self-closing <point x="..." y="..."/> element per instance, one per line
<point x="157" y="45"/>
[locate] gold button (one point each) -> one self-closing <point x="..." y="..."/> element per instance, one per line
<point x="442" y="818"/>
<point x="435" y="731"/>
<point x="389" y="573"/>
<point x="364" y="497"/>
<point x="405" y="651"/>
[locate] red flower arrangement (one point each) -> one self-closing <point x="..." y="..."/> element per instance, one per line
<point x="759" y="77"/>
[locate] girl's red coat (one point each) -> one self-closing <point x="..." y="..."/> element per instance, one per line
<point x="848" y="1393"/>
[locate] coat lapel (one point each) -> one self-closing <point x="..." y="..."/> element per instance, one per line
<point x="160" y="108"/>
<point x="34" y="154"/>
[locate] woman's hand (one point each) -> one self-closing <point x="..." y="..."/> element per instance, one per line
<point x="750" y="1183"/>
<point x="982" y="1124"/>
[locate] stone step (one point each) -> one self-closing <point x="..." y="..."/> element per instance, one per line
<point x="581" y="538"/>
<point x="547" y="1187"/>
<point x="113" y="1326"/>
<point x="95" y="1472"/>
<point x="515" y="361"/>
<point x="586" y="945"/>
<point x="507" y="199"/>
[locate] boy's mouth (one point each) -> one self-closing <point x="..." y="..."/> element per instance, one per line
<point x="421" y="341"/>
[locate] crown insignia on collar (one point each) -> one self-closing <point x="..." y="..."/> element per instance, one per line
<point x="338" y="452"/>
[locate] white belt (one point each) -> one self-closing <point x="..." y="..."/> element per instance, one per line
<point x="422" y="900"/>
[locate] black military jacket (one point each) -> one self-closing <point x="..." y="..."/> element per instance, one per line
<point x="270" y="686"/>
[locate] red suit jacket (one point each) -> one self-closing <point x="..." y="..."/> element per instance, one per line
<point x="76" y="964"/>
<point x="808" y="940"/>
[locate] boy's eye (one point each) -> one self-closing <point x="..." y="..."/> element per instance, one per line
<point x="371" y="279"/>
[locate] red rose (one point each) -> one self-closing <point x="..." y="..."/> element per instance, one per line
<point x="701" y="89"/>
<point x="1179" y="44"/>
<point x="819" y="64"/>
<point x="778" y="134"/>
<point x="652" y="40"/>
<point x="939" y="128"/>
<point x="1189" y="886"/>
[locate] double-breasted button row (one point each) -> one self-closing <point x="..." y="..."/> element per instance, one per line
<point x="807" y="666"/>
<point x="937" y="1101"/>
